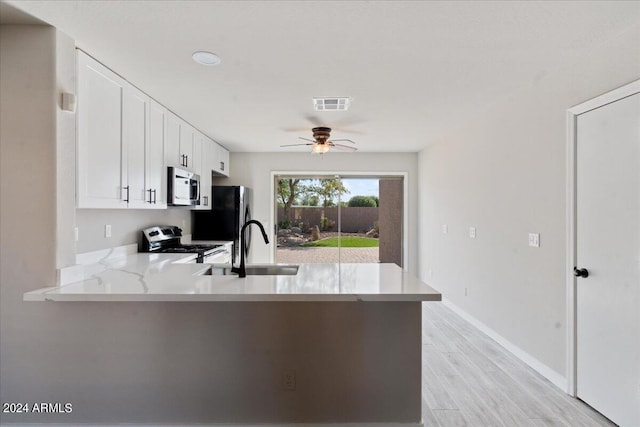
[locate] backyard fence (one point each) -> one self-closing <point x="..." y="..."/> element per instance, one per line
<point x="354" y="219"/>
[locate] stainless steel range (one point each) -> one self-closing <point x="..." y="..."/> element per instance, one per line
<point x="166" y="239"/>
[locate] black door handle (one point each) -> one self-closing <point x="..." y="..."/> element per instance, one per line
<point x="580" y="272"/>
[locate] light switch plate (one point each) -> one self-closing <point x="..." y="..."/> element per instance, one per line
<point x="445" y="228"/>
<point x="107" y="230"/>
<point x="534" y="240"/>
<point x="472" y="232"/>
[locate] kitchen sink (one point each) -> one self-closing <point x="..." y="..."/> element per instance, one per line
<point x="257" y="270"/>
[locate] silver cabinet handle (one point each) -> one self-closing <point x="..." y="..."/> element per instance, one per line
<point x="154" y="196"/>
<point x="221" y="166"/>
<point x="150" y="199"/>
<point x="127" y="188"/>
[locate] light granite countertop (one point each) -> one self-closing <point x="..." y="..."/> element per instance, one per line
<point x="163" y="277"/>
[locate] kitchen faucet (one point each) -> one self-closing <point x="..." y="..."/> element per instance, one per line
<point x="242" y="272"/>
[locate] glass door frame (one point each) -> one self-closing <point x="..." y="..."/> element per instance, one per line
<point x="342" y="174"/>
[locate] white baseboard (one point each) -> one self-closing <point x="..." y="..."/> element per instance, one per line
<point x="557" y="379"/>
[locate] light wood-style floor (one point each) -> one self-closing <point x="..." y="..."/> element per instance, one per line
<point x="470" y="380"/>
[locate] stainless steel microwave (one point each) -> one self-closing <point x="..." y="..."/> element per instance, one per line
<point x="183" y="187"/>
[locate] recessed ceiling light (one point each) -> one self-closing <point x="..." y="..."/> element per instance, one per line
<point x="332" y="104"/>
<point x="206" y="58"/>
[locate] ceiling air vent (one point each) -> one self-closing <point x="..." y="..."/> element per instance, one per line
<point x="331" y="104"/>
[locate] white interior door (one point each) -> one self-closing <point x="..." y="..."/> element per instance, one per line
<point x="608" y="247"/>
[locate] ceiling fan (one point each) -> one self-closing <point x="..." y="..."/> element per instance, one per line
<point x="320" y="143"/>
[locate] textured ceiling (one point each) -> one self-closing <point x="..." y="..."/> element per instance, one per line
<point x="417" y="70"/>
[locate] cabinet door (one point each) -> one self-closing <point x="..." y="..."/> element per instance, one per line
<point x="135" y="130"/>
<point x="207" y="155"/>
<point x="172" y="147"/>
<point x="155" y="170"/>
<point x="101" y="168"/>
<point x="187" y="160"/>
<point x="222" y="164"/>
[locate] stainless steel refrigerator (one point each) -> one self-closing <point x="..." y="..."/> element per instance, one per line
<point x="230" y="209"/>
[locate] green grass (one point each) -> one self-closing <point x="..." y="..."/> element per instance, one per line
<point x="345" y="242"/>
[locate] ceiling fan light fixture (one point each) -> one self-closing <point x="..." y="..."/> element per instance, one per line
<point x="206" y="58"/>
<point x="332" y="103"/>
<point x="319" y="148"/>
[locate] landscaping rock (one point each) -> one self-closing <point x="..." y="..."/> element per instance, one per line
<point x="315" y="233"/>
<point x="284" y="232"/>
<point x="296" y="230"/>
<point x="372" y="233"/>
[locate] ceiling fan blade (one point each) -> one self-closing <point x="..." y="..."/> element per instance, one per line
<point x="343" y="147"/>
<point x="315" y="120"/>
<point x="347" y="140"/>
<point x="307" y="139"/>
<point x="293" y="145"/>
<point x="294" y="129"/>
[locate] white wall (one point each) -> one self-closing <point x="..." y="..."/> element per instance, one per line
<point x="126" y="225"/>
<point x="65" y="153"/>
<point x="254" y="170"/>
<point x="504" y="173"/>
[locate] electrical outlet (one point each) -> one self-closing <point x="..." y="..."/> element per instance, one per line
<point x="289" y="380"/>
<point x="430" y="273"/>
<point x="107" y="230"/>
<point x="466" y="292"/>
<point x="76" y="233"/>
<point x="534" y="240"/>
<point x="472" y="232"/>
<point x="445" y="228"/>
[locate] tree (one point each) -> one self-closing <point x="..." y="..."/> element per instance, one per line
<point x="362" y="201"/>
<point x="309" y="200"/>
<point x="329" y="189"/>
<point x="289" y="190"/>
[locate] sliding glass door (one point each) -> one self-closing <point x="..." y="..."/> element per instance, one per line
<point x="339" y="218"/>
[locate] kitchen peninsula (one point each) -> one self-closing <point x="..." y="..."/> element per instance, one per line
<point x="348" y="334"/>
<point x="163" y="277"/>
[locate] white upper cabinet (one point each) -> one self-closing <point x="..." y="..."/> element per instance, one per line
<point x="172" y="145"/>
<point x="126" y="140"/>
<point x="207" y="159"/>
<point x="187" y="157"/>
<point x="155" y="170"/>
<point x="101" y="158"/>
<point x="121" y="136"/>
<point x="135" y="129"/>
<point x="221" y="164"/>
<point x="180" y="143"/>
